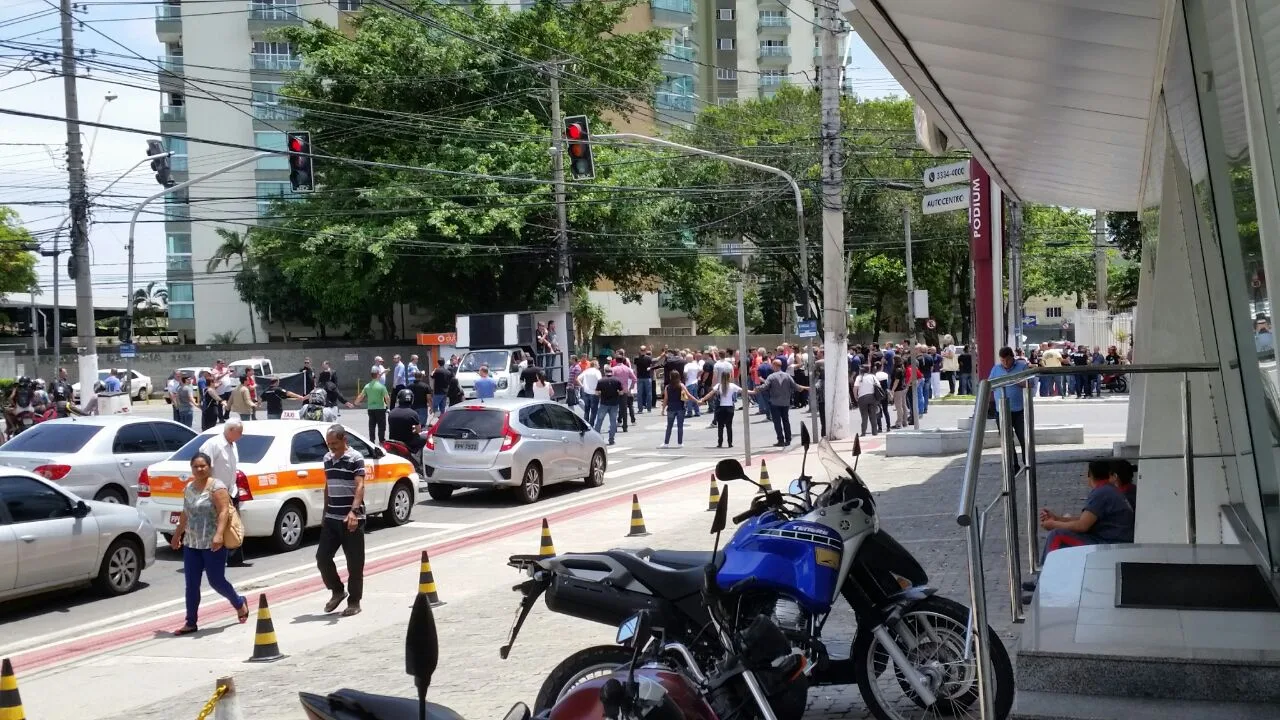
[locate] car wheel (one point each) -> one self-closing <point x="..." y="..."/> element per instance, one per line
<point x="440" y="492"/>
<point x="530" y="489"/>
<point x="290" y="524"/>
<point x="112" y="495"/>
<point x="121" y="568"/>
<point x="595" y="476"/>
<point x="400" y="506"/>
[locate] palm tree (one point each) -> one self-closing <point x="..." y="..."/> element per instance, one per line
<point x="149" y="301"/>
<point x="234" y="245"/>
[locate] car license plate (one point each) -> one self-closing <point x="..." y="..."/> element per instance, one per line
<point x="174" y="517"/>
<point x="466" y="445"/>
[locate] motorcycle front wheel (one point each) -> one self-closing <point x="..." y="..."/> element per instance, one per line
<point x="939" y="628"/>
<point x="584" y="665"/>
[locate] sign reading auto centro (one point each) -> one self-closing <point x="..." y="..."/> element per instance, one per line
<point x="957" y="199"/>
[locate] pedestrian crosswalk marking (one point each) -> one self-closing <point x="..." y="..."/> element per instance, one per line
<point x="682" y="471"/>
<point x="633" y="469"/>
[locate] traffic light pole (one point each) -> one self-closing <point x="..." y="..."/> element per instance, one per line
<point x="133" y="221"/>
<point x="795" y="191"/>
<point x="86" y="328"/>
<point x="563" y="286"/>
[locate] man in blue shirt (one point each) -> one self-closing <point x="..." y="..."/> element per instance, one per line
<point x="111" y="382"/>
<point x="1008" y="365"/>
<point x="485" y="386"/>
<point x="1107" y="517"/>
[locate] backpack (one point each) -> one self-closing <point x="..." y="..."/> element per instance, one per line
<point x="312" y="412"/>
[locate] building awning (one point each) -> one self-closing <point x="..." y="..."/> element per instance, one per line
<point x="1053" y="97"/>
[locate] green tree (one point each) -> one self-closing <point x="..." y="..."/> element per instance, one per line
<point x="17" y="263"/>
<point x="235" y="245"/>
<point x="709" y="295"/>
<point x="151" y="300"/>
<point x="1057" y="253"/>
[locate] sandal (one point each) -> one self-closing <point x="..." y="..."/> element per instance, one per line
<point x="185" y="630"/>
<point x="242" y="613"/>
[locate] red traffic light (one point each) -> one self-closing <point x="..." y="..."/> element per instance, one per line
<point x="575" y="132"/>
<point x="295" y="144"/>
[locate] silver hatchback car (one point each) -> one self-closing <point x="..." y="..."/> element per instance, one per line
<point x="511" y="442"/>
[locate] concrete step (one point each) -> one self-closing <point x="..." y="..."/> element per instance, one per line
<point x="1029" y="705"/>
<point x="1247" y="678"/>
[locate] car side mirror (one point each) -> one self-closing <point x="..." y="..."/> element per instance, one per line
<point x="80" y="510"/>
<point x="730" y="469"/>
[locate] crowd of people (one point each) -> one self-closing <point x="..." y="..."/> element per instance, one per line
<point x="1068" y="354"/>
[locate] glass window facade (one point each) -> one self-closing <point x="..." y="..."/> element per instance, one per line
<point x="271" y="141"/>
<point x="182" y="304"/>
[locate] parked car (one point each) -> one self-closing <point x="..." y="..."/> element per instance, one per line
<point x="50" y="539"/>
<point x="519" y="443"/>
<point x="140" y="386"/>
<point x="96" y="457"/>
<point x="281" y="481"/>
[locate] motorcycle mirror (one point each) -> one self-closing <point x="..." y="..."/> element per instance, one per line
<point x="804" y="435"/>
<point x="627" y="629"/>
<point x="857" y="446"/>
<point x="643" y="629"/>
<point x="798" y="487"/>
<point x="730" y="469"/>
<point x="722" y="507"/>
<point x="421" y="645"/>
<point x="519" y="711"/>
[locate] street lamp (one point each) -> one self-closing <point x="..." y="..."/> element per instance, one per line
<point x="106" y="100"/>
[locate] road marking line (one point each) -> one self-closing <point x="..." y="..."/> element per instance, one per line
<point x="633" y="469"/>
<point x="436" y="526"/>
<point x="682" y="471"/>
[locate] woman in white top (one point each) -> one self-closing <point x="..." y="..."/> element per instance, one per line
<point x="726" y="394"/>
<point x="864" y="388"/>
<point x="542" y="388"/>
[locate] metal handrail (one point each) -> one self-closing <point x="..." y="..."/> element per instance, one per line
<point x="975" y="522"/>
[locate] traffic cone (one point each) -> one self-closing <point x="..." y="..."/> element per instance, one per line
<point x="637" y="519"/>
<point x="427" y="581"/>
<point x="715" y="494"/>
<point x="265" y="647"/>
<point x="764" y="477"/>
<point x="10" y="702"/>
<point x="546" y="548"/>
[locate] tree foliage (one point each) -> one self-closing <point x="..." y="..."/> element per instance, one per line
<point x="709" y="295"/>
<point x="17" y="263"/>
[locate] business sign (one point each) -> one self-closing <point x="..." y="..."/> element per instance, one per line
<point x="444" y="338"/>
<point x="807" y="328"/>
<point x="1029" y="321"/>
<point x="128" y="350"/>
<point x="957" y="172"/>
<point x="957" y="199"/>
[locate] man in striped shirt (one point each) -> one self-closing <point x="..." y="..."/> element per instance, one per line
<point x="343" y="521"/>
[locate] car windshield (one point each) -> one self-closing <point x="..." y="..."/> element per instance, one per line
<point x="249" y="448"/>
<point x="495" y="359"/>
<point x="53" y="438"/>
<point x="465" y="422"/>
<point x="102" y="374"/>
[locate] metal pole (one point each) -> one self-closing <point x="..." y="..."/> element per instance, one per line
<point x="1188" y="459"/>
<point x="57" y="310"/>
<point x="911" y="282"/>
<point x="795" y="192"/>
<point x="1033" y="488"/>
<point x="35" y="338"/>
<point x="563" y="285"/>
<point x="79" y="205"/>
<point x="744" y="369"/>
<point x="1100" y="259"/>
<point x="1015" y="274"/>
<point x="835" y="318"/>
<point x="1007" y="455"/>
<point x="133" y="221"/>
<point x="978" y="618"/>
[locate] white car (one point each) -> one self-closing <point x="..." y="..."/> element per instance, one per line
<point x="139" y="385"/>
<point x="502" y="369"/>
<point x="51" y="539"/>
<point x="281" y="481"/>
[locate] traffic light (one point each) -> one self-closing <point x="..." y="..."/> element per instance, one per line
<point x="802" y="304"/>
<point x="126" y="329"/>
<point x="578" y="135"/>
<point x="160" y="164"/>
<point x="300" y="170"/>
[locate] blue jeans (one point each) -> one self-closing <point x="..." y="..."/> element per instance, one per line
<point x="675" y="416"/>
<point x="422" y="415"/>
<point x="691" y="406"/>
<point x="644" y="401"/>
<point x="966" y="383"/>
<point x="781" y="415"/>
<point x="186" y="415"/>
<point x="590" y="408"/>
<point x="611" y="412"/>
<point x="213" y="565"/>
<point x="922" y="386"/>
<point x="437" y="403"/>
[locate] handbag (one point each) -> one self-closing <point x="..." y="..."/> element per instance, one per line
<point x="233" y="537"/>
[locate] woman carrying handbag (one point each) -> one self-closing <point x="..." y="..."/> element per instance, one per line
<point x="205" y="531"/>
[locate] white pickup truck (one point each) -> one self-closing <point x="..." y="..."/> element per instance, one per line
<point x="503" y="368"/>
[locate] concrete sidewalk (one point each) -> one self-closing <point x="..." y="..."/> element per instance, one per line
<point x="171" y="678"/>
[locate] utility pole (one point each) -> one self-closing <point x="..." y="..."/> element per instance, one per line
<point x="1015" y="274"/>
<point x="563" y="286"/>
<point x="79" y="205"/>
<point x="835" y="314"/>
<point x="911" y="280"/>
<point x="744" y="366"/>
<point x="1100" y="259"/>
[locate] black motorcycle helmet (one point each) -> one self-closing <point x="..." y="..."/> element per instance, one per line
<point x="24" y="382"/>
<point x="404" y="397"/>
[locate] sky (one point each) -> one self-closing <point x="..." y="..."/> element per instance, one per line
<point x="33" y="177"/>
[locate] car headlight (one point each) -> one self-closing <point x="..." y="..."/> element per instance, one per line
<point x="502" y="383"/>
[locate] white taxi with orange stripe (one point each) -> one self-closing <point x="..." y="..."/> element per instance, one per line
<point x="281" y="480"/>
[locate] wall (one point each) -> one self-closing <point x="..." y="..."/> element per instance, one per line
<point x="635" y="318"/>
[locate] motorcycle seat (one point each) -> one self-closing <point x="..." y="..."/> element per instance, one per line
<point x="685" y="559"/>
<point x="388" y="707"/>
<point x="672" y="584"/>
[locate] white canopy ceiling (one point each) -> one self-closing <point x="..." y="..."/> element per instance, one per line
<point x="1052" y="96"/>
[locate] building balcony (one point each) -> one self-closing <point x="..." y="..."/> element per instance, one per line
<point x="178" y="263"/>
<point x="674" y="101"/>
<point x="173" y="114"/>
<point x="168" y="22"/>
<point x="274" y="63"/>
<point x="679" y="52"/>
<point x="672" y="13"/>
<point x="171" y="64"/>
<point x="677" y="59"/>
<point x="775" y="53"/>
<point x="177" y="212"/>
<point x="771" y="80"/>
<point x="275" y="112"/>
<point x="770" y="23"/>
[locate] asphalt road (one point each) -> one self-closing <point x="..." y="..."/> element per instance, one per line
<point x="634" y="462"/>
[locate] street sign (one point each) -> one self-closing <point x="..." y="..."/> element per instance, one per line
<point x="807" y="328"/>
<point x="1028" y="321"/>
<point x="947" y="201"/>
<point x="931" y="324"/>
<point x="949" y="174"/>
<point x="128" y="350"/>
<point x="920" y="304"/>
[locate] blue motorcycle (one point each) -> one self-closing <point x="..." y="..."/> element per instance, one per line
<point x="748" y="620"/>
